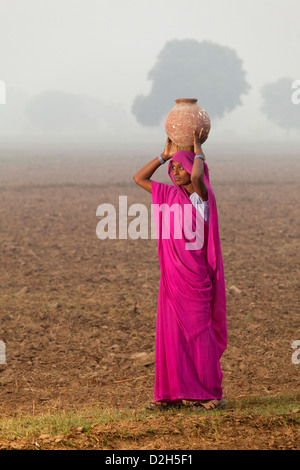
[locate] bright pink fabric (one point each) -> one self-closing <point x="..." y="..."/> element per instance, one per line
<point x="191" y="330"/>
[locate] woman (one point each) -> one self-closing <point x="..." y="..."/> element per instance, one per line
<point x="191" y="330"/>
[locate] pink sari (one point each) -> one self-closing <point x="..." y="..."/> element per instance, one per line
<point x="191" y="331"/>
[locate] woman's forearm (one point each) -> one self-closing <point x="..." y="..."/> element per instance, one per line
<point x="147" y="171"/>
<point x="197" y="169"/>
<point x="198" y="180"/>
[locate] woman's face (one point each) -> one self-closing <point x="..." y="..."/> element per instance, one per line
<point x="180" y="175"/>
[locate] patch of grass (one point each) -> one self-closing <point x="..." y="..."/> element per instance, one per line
<point x="62" y="423"/>
<point x="277" y="405"/>
<point x="52" y="424"/>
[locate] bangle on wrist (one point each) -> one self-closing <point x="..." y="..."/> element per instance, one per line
<point x="162" y="161"/>
<point x="200" y="156"/>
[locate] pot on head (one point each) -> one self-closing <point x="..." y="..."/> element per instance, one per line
<point x="187" y="116"/>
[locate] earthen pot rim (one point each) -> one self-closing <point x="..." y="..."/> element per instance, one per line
<point x="186" y="100"/>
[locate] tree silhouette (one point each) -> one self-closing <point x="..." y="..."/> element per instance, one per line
<point x="189" y="69"/>
<point x="278" y="105"/>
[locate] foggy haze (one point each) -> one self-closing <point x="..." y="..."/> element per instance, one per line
<point x="277" y="106"/>
<point x="74" y="68"/>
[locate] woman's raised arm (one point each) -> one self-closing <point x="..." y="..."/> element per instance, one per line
<point x="142" y="177"/>
<point x="198" y="169"/>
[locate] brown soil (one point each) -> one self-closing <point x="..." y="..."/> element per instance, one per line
<point x="78" y="313"/>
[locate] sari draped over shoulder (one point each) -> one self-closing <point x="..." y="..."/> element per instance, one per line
<point x="191" y="330"/>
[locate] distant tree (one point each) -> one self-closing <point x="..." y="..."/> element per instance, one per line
<point x="189" y="69"/>
<point x="278" y="105"/>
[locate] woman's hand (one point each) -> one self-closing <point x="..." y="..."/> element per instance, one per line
<point x="169" y="150"/>
<point x="197" y="143"/>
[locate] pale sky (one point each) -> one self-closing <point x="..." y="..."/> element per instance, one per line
<point x="106" y="49"/>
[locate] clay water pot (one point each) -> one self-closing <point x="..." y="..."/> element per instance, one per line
<point x="187" y="116"/>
